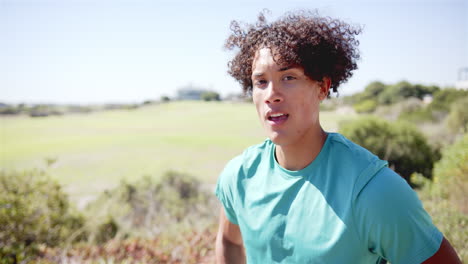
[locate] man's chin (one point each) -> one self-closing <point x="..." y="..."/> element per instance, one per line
<point x="277" y="138"/>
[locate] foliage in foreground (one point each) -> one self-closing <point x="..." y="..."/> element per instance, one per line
<point x="451" y="174"/>
<point x="190" y="247"/>
<point x="34" y="212"/>
<point x="175" y="214"/>
<point x="150" y="208"/>
<point x="457" y="120"/>
<point x="394" y="142"/>
<point x="445" y="196"/>
<point x="448" y="218"/>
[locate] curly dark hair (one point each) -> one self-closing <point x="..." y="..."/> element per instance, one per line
<point x="323" y="46"/>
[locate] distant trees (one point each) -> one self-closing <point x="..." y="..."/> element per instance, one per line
<point x="210" y="96"/>
<point x="414" y="103"/>
<point x="198" y="95"/>
<point x="444" y="102"/>
<point x="402" y="90"/>
<point x="42" y="110"/>
<point x="378" y="93"/>
<point x="443" y="99"/>
<point x="165" y="99"/>
<point x="45" y="110"/>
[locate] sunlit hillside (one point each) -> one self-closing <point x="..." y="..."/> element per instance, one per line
<point x="91" y="152"/>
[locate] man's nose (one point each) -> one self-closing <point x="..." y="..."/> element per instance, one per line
<point x="274" y="94"/>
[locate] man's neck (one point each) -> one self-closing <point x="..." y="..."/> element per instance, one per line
<point x="299" y="155"/>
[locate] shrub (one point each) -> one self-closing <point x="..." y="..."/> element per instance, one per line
<point x="371" y="91"/>
<point x="413" y="110"/>
<point x="392" y="94"/>
<point x="402" y="145"/>
<point x="366" y="106"/>
<point x="420" y="115"/>
<point x="448" y="218"/>
<point x="148" y="208"/>
<point x="444" y="98"/>
<point x="457" y="120"/>
<point x="34" y="211"/>
<point x="403" y="90"/>
<point x="445" y="197"/>
<point x="191" y="248"/>
<point x="374" y="88"/>
<point x="451" y="173"/>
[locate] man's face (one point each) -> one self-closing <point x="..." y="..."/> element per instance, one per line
<point x="287" y="101"/>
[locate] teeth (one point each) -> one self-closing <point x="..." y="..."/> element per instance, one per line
<point x="276" y="115"/>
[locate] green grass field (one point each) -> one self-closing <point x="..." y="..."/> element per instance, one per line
<point x="95" y="151"/>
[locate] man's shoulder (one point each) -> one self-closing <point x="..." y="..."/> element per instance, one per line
<point x="250" y="156"/>
<point x="357" y="163"/>
<point x="243" y="165"/>
<point x="344" y="149"/>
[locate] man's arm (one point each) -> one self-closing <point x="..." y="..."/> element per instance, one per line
<point x="229" y="245"/>
<point x="445" y="254"/>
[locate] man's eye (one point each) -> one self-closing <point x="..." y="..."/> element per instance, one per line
<point x="259" y="82"/>
<point x="289" y="78"/>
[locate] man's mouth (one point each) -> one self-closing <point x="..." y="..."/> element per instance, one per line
<point x="277" y="117"/>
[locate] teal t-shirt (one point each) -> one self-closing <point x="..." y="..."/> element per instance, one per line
<point x="346" y="206"/>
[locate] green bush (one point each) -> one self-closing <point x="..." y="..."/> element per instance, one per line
<point x="420" y="115"/>
<point x="391" y="94"/>
<point x="457" y="120"/>
<point x="366" y="106"/>
<point x="449" y="220"/>
<point x="403" y="90"/>
<point x="148" y="208"/>
<point x="445" y="197"/>
<point x="374" y="88"/>
<point x="402" y="145"/>
<point x="444" y="98"/>
<point x="447" y="103"/>
<point x="34" y="211"/>
<point x="413" y="110"/>
<point x="451" y="173"/>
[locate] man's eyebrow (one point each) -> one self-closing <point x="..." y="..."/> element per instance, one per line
<point x="257" y="74"/>
<point x="285" y="68"/>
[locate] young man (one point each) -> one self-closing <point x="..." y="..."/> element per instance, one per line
<point x="306" y="195"/>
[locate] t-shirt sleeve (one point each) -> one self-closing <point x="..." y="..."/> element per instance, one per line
<point x="225" y="189"/>
<point x="392" y="222"/>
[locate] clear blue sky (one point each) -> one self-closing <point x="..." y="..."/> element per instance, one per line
<point x="96" y="51"/>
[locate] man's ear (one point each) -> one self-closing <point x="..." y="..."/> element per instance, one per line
<point x="324" y="88"/>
